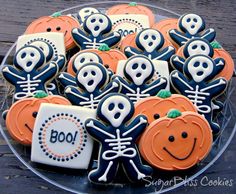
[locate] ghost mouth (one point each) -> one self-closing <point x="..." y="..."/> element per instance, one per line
<point x="184" y="158"/>
<point x="28" y="127"/>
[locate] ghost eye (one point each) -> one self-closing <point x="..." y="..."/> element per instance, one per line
<point x="135" y="66"/>
<point x="23" y="55"/>
<point x="111" y="106"/>
<point x="143" y="66"/>
<point x="171" y="138"/>
<point x="195" y="20"/>
<point x="203" y="47"/>
<point x="93" y="20"/>
<point x="145" y="37"/>
<point x="205" y="65"/>
<point x="82" y="60"/>
<point x="188" y="20"/>
<point x="121" y="106"/>
<point x="196" y="64"/>
<point x="58" y="28"/>
<point x="49" y="29"/>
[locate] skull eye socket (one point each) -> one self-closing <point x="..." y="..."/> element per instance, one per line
<point x="32" y="54"/>
<point x="154" y="37"/>
<point x="145" y="37"/>
<point x="93" y="73"/>
<point x="111" y="106"/>
<point x="205" y="65"/>
<point x="194" y="47"/>
<point x="121" y="106"/>
<point x="85" y="74"/>
<point x="143" y="66"/>
<point x="23" y="55"/>
<point x="135" y="66"/>
<point x="196" y="64"/>
<point x="86" y="11"/>
<point x="93" y="20"/>
<point x="188" y="20"/>
<point x="82" y="60"/>
<point x="195" y="20"/>
<point x="203" y="48"/>
<point x="101" y="21"/>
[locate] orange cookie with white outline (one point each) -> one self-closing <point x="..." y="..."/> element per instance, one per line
<point x="55" y="23"/>
<point x="21" y="116"/>
<point x="158" y="106"/>
<point x="132" y="8"/>
<point x="176" y="142"/>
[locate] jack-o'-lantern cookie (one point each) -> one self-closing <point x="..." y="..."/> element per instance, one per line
<point x="177" y="141"/>
<point x="158" y="106"/>
<point x="21" y="116"/>
<point x="55" y="23"/>
<point x="132" y="8"/>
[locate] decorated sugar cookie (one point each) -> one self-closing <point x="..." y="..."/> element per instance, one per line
<point x="21" y="116"/>
<point x="129" y="40"/>
<point x="150" y="42"/>
<point x="55" y="23"/>
<point x="138" y="72"/>
<point x="97" y="31"/>
<point x="190" y="26"/>
<point x="29" y="73"/>
<point x="110" y="57"/>
<point x="117" y="137"/>
<point x="176" y="142"/>
<point x="78" y="60"/>
<point x="60" y="138"/>
<point x="156" y="107"/>
<point x="132" y="8"/>
<point x="85" y="12"/>
<point x="197" y="83"/>
<point x="91" y="86"/>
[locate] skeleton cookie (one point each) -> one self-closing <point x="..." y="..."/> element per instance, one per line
<point x="27" y="74"/>
<point x="85" y="12"/>
<point x="138" y="72"/>
<point x="117" y="137"/>
<point x="96" y="27"/>
<point x="197" y="83"/>
<point x="191" y="25"/>
<point x="151" y="41"/>
<point x="92" y="85"/>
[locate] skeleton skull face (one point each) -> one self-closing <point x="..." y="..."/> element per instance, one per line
<point x="45" y="48"/>
<point x="84" y="58"/>
<point x="150" y="39"/>
<point x="197" y="47"/>
<point x="200" y="67"/>
<point x="116" y="109"/>
<point x="139" y="70"/>
<point x="29" y="58"/>
<point x="97" y="23"/>
<point x="87" y="11"/>
<point x="192" y="23"/>
<point x="90" y="76"/>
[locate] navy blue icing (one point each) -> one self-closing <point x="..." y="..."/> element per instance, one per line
<point x="199" y="85"/>
<point x="154" y="41"/>
<point x="97" y="31"/>
<point x="109" y="135"/>
<point x="181" y="37"/>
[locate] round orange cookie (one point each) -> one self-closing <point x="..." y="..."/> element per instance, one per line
<point x="132" y="8"/>
<point x="55" y="23"/>
<point x="21" y="115"/>
<point x="158" y="106"/>
<point x="177" y="141"/>
<point x="164" y="26"/>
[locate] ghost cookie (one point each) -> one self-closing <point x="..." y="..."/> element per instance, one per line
<point x="190" y="26"/>
<point x="156" y="107"/>
<point x="60" y="138"/>
<point x="177" y="141"/>
<point x="55" y="23"/>
<point x="150" y="42"/>
<point x="197" y="82"/>
<point x="29" y="73"/>
<point x="117" y="132"/>
<point x="136" y="84"/>
<point x="21" y="116"/>
<point x="92" y="84"/>
<point x="97" y="31"/>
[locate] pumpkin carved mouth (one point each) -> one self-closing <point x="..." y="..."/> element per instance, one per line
<point x="184" y="158"/>
<point x="28" y="127"/>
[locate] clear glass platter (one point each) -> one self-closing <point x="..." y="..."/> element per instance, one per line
<point x="76" y="180"/>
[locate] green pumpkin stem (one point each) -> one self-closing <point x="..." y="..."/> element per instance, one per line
<point x="104" y="47"/>
<point x="40" y="94"/>
<point x="216" y="45"/>
<point x="133" y="4"/>
<point x="164" y="94"/>
<point x="173" y="113"/>
<point x="56" y="14"/>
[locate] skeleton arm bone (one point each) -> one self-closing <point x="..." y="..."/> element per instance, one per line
<point x="178" y="37"/>
<point x="113" y="86"/>
<point x="60" y="61"/>
<point x="67" y="80"/>
<point x="215" y="87"/>
<point x="74" y="95"/>
<point x="125" y="87"/>
<point x="112" y="39"/>
<point x="165" y="54"/>
<point x="48" y="72"/>
<point x="80" y="37"/>
<point x="177" y="62"/>
<point x="12" y="75"/>
<point x="209" y="34"/>
<point x="155" y="86"/>
<point x="130" y="51"/>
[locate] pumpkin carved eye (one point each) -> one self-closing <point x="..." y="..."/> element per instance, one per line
<point x="58" y="28"/>
<point x="156" y="116"/>
<point x="34" y="114"/>
<point x="49" y="29"/>
<point x="171" y="138"/>
<point x="184" y="134"/>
